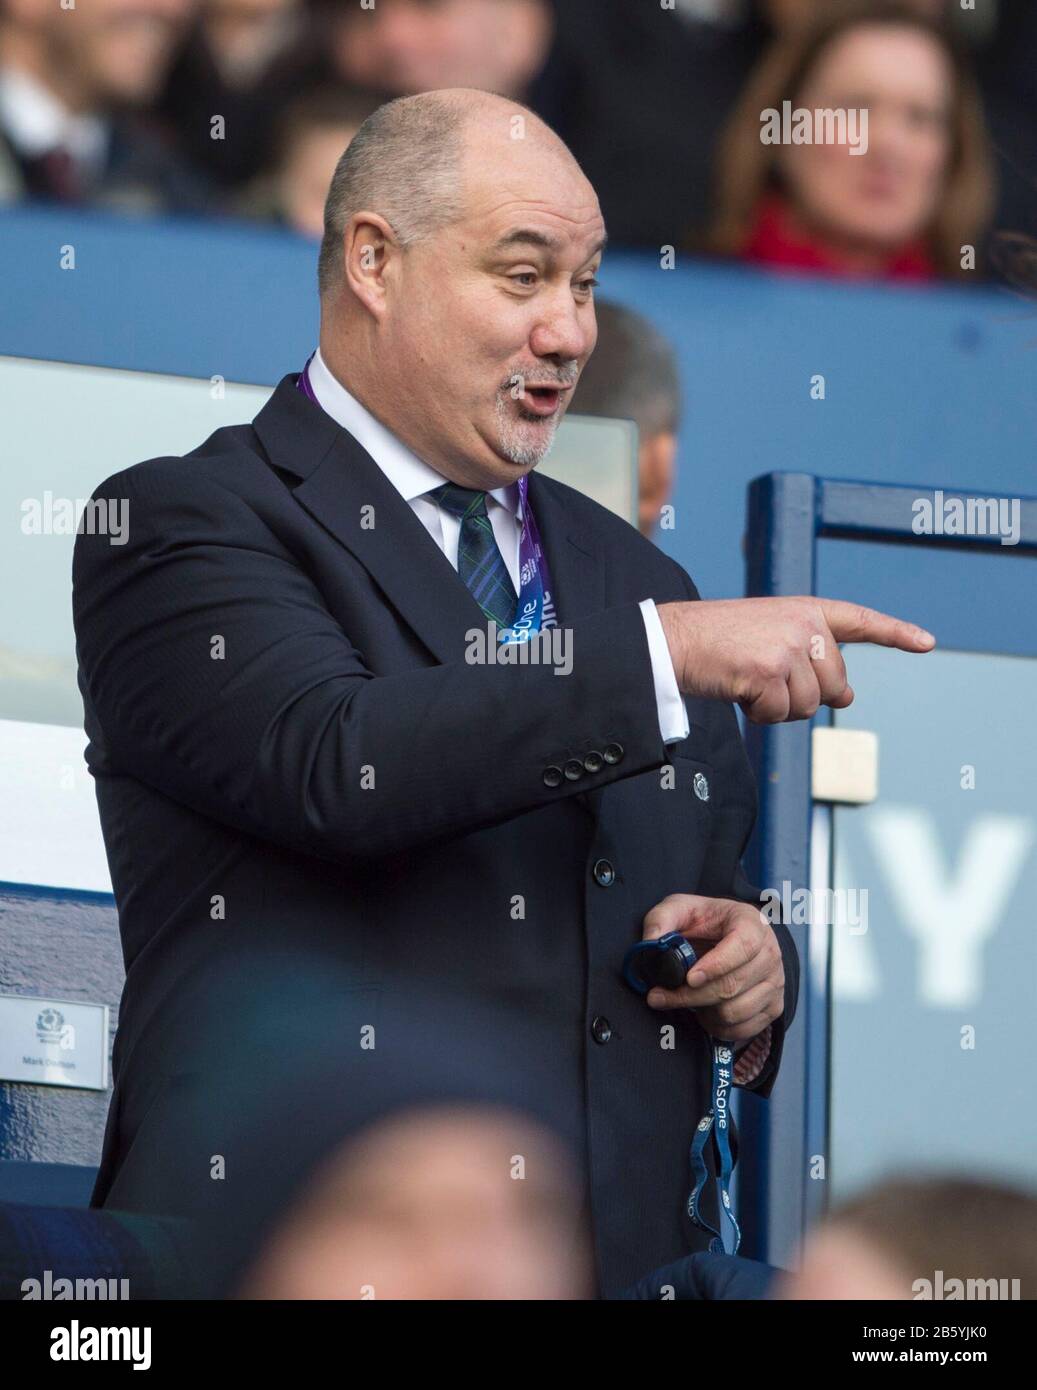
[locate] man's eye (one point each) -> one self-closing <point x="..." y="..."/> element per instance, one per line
<point x="529" y="275"/>
<point x="590" y="284"/>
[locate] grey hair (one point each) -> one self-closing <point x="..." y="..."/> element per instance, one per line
<point x="403" y="163"/>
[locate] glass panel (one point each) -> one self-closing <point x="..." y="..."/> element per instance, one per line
<point x="933" y="1045"/>
<point x="65" y="430"/>
<point x="598" y="458"/>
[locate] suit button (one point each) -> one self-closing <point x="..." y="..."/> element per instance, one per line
<point x="594" y="762"/>
<point x="552" y="776"/>
<point x="601" y="1029"/>
<point x="613" y="753"/>
<point x="573" y="770"/>
<point x="604" y="873"/>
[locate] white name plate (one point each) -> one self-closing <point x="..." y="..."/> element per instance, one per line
<point x="53" y="1042"/>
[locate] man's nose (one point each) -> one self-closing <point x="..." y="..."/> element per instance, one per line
<point x="560" y="333"/>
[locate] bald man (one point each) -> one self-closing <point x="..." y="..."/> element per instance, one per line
<point x="362" y="679"/>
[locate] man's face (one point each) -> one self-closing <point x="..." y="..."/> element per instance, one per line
<point x="490" y="322"/>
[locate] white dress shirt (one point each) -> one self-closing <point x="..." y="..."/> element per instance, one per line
<point x="414" y="480"/>
<point x="36" y="121"/>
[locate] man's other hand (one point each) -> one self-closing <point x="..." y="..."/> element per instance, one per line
<point x="737" y="986"/>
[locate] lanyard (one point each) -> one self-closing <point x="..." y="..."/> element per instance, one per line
<point x="664" y="961"/>
<point x="535" y="607"/>
<point x="718" y="1124"/>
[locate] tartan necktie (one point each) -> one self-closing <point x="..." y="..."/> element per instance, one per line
<point x="479" y="561"/>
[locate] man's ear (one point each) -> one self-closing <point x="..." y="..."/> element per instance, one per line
<point x="369" y="253"/>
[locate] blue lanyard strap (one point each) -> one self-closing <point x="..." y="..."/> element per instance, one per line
<point x="717" y="1123"/>
<point x="665" y="961"/>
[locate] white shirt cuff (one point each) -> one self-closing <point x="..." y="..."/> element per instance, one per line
<point x="669" y="703"/>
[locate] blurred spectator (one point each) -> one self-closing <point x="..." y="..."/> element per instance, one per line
<point x="324" y="1137"/>
<point x="408" y="46"/>
<point x="637" y="92"/>
<point x="632" y="375"/>
<point x="72" y="83"/>
<point x="245" y="35"/>
<point x="428" y="1203"/>
<point x="904" y="208"/>
<point x="1008" y="75"/>
<point x="241" y="64"/>
<point x="783" y="14"/>
<point x="312" y="135"/>
<point x="647" y="93"/>
<point x="396" y="47"/>
<point x="884" y="1243"/>
<point x="907" y="1238"/>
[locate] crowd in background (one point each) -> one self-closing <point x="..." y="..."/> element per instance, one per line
<point x="241" y="108"/>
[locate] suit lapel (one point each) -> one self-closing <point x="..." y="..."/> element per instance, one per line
<point x="343" y="489"/>
<point x="353" y="499"/>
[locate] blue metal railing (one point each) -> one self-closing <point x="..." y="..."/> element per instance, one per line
<point x="788" y="514"/>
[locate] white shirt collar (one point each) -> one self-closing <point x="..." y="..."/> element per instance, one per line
<point x="36" y="121"/>
<point x="408" y="474"/>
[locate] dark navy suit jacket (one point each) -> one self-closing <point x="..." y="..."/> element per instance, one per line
<point x="290" y="747"/>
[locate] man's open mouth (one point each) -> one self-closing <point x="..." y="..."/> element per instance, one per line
<point x="542" y="400"/>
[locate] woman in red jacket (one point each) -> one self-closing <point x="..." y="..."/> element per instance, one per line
<point x="858" y="150"/>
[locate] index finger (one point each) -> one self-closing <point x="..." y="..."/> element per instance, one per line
<point x="852" y="622"/>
